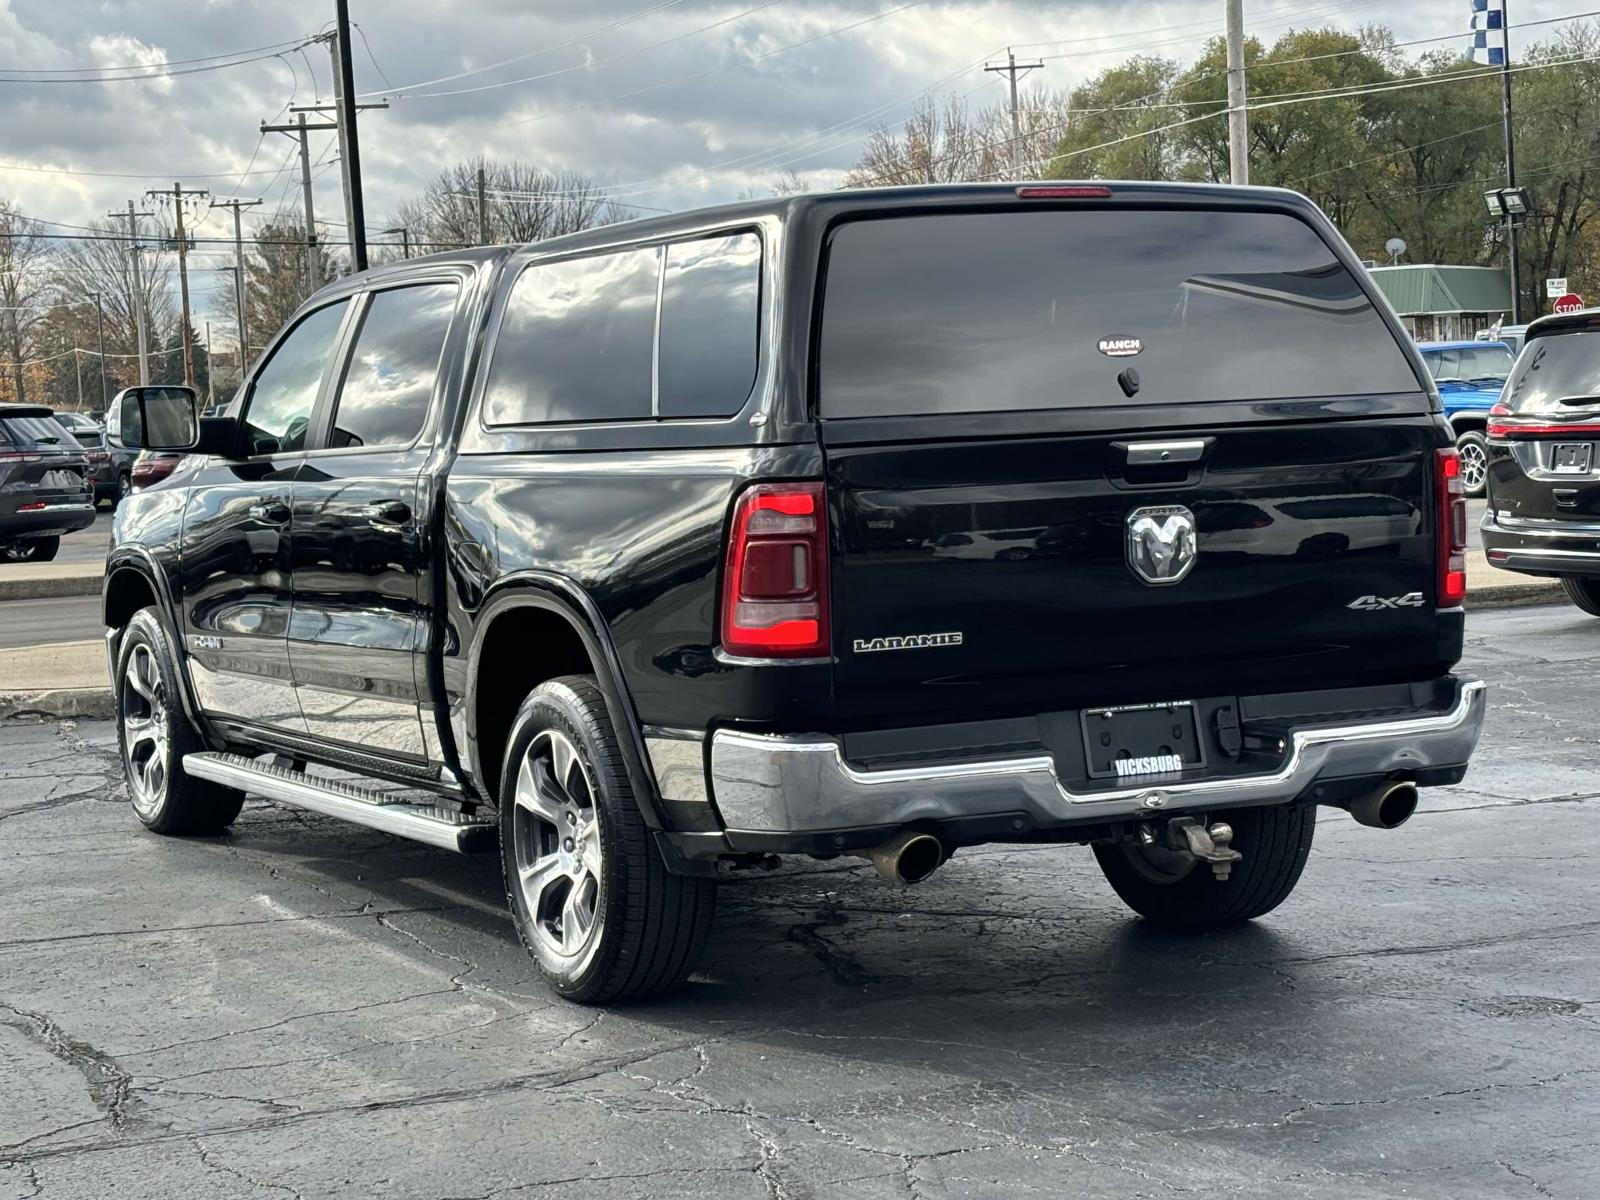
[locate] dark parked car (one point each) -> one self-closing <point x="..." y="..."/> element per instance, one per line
<point x="110" y="465"/>
<point x="151" y="467"/>
<point x="44" y="484"/>
<point x="880" y="523"/>
<point x="1544" y="459"/>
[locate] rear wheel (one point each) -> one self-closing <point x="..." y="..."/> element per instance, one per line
<point x="590" y="896"/>
<point x="1584" y="592"/>
<point x="1473" y="448"/>
<point x="33" y="550"/>
<point x="154" y="734"/>
<point x="1177" y="891"/>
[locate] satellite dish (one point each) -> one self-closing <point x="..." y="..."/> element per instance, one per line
<point x="1395" y="247"/>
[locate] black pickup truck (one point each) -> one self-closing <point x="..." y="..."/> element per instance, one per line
<point x="878" y="523"/>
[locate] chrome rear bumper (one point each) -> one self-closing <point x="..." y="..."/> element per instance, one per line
<point x="774" y="785"/>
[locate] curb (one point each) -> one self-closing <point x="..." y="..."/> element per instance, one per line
<point x="94" y="704"/>
<point x="1516" y="595"/>
<point x="50" y="587"/>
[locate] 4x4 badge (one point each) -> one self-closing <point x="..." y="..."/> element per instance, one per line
<point x="1379" y="603"/>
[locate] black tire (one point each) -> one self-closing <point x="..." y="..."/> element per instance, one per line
<point x="124" y="489"/>
<point x="1473" y="447"/>
<point x="33" y="550"/>
<point x="1584" y="592"/>
<point x="154" y="733"/>
<point x="1274" y="841"/>
<point x="653" y="924"/>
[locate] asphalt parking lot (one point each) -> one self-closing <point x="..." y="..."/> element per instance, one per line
<point x="307" y="1009"/>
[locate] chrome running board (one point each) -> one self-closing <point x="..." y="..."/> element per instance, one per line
<point x="439" y="827"/>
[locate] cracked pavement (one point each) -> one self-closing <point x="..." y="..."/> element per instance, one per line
<point x="307" y="1009"/>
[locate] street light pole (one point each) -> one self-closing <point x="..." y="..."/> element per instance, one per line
<point x="100" y="323"/>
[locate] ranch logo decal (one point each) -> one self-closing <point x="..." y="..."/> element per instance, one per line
<point x="915" y="641"/>
<point x="1121" y="347"/>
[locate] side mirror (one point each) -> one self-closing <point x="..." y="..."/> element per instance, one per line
<point x="166" y="417"/>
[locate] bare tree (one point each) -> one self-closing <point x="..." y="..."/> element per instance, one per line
<point x="275" y="282"/>
<point x="24" y="260"/>
<point x="950" y="143"/>
<point x="521" y="204"/>
<point x="101" y="265"/>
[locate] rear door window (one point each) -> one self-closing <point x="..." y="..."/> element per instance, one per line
<point x="1555" y="374"/>
<point x="577" y="342"/>
<point x="710" y="305"/>
<point x="1050" y="309"/>
<point x="388" y="384"/>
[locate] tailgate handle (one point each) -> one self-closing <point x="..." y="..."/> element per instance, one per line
<point x="1156" y="454"/>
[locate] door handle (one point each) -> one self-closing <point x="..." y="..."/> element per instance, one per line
<point x="387" y="512"/>
<point x="275" y="512"/>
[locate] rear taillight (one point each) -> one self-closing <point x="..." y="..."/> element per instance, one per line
<point x="775" y="582"/>
<point x="1503" y="423"/>
<point x="31" y="506"/>
<point x="1452" y="531"/>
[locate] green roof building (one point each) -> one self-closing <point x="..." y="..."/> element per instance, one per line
<point x="1441" y="304"/>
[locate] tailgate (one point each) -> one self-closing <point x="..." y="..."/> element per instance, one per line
<point x="997" y="577"/>
<point x="1115" y="455"/>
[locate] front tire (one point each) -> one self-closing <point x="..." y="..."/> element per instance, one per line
<point x="1180" y="892"/>
<point x="589" y="894"/>
<point x="154" y="734"/>
<point x="1473" y="447"/>
<point x="1584" y="592"/>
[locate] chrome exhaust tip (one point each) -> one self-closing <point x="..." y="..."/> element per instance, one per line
<point x="1386" y="807"/>
<point x="908" y="857"/>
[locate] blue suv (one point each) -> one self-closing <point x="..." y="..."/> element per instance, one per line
<point x="1470" y="376"/>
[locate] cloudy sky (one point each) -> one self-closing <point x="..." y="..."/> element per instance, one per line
<point x="672" y="103"/>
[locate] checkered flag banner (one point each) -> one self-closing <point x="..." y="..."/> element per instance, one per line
<point x="1489" y="32"/>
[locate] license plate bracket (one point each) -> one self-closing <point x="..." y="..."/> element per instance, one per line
<point x="1571" y="458"/>
<point x="1142" y="741"/>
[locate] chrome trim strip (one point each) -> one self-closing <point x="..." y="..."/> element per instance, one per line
<point x="1540" y="526"/>
<point x="677" y="758"/>
<point x="1154" y="454"/>
<point x="739" y="660"/>
<point x="1511" y="553"/>
<point x="777" y="784"/>
<point x="439" y="827"/>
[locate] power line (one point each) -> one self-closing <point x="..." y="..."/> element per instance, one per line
<point x="154" y="74"/>
<point x="506" y="62"/>
<point x="748" y="60"/>
<point x="174" y="62"/>
<point x="597" y="62"/>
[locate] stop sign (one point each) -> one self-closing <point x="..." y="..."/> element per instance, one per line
<point x="1569" y="303"/>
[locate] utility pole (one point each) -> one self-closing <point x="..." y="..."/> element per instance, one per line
<point x="349" y="143"/>
<point x="211" y="374"/>
<point x="138" y="289"/>
<point x="405" y="238"/>
<point x="483" y="208"/>
<point x="238" y="273"/>
<point x="1511" y="167"/>
<point x="1238" y="127"/>
<point x="1015" y="71"/>
<point x="299" y="129"/>
<point x="177" y="193"/>
<point x="337" y="117"/>
<point x="78" y="366"/>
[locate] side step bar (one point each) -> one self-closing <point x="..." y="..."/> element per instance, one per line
<point x="439" y="827"/>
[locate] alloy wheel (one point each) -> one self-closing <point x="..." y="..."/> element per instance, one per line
<point x="557" y="852"/>
<point x="1474" y="466"/>
<point x="147" y="747"/>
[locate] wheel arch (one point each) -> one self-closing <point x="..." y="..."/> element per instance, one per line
<point x="568" y="625"/>
<point x="134" y="581"/>
<point x="1469" y="422"/>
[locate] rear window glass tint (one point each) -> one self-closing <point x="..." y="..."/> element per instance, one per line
<point x="576" y="342"/>
<point x="994" y="312"/>
<point x="710" y="301"/>
<point x="1558" y="373"/>
<point x="37" y="431"/>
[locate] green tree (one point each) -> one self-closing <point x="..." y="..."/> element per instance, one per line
<point x="1116" y="128"/>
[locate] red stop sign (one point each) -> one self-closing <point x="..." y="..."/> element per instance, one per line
<point x="1569" y="303"/>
